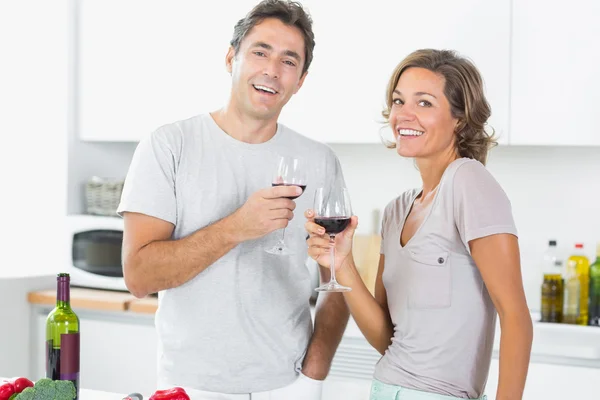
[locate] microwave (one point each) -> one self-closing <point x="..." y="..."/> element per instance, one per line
<point x="93" y="253"/>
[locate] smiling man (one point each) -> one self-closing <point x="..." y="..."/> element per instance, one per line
<point x="234" y="320"/>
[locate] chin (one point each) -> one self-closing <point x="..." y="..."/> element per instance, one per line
<point x="403" y="151"/>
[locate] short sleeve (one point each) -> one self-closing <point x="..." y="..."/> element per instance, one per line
<point x="481" y="207"/>
<point x="150" y="183"/>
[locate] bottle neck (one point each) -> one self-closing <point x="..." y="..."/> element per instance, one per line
<point x="63" y="296"/>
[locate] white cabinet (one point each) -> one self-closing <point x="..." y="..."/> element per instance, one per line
<point x="118" y="352"/>
<point x="144" y="63"/>
<point x="555" y="81"/>
<point x="356" y="54"/>
<point x="147" y="63"/>
<point x="552" y="382"/>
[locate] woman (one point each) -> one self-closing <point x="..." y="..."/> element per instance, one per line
<point x="449" y="254"/>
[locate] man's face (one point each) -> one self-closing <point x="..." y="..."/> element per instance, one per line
<point x="267" y="70"/>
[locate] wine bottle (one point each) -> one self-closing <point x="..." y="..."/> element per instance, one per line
<point x="62" y="337"/>
<point x="594" y="317"/>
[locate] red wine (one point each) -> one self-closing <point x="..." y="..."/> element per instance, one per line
<point x="290" y="184"/>
<point x="333" y="225"/>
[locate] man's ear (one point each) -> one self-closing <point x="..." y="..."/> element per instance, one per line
<point x="229" y="59"/>
<point x="300" y="82"/>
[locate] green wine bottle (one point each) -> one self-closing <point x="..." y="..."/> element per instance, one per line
<point x="594" y="318"/>
<point x="62" y="337"/>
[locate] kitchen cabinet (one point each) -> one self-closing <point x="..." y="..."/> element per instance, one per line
<point x="161" y="61"/>
<point x="551" y="381"/>
<point x="555" y="82"/>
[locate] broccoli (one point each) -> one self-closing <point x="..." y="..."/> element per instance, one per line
<point x="65" y="390"/>
<point x="47" y="389"/>
<point x="26" y="394"/>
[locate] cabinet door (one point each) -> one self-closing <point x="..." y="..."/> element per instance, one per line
<point x="356" y="53"/>
<point x="147" y="63"/>
<point x="555" y="81"/>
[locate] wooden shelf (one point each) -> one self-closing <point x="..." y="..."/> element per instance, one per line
<point x="96" y="299"/>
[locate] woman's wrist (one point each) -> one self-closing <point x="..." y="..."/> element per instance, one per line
<point x="347" y="273"/>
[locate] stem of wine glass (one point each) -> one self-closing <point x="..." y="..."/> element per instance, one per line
<point x="283" y="237"/>
<point x="332" y="262"/>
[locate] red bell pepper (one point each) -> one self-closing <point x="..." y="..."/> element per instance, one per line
<point x="7" y="389"/>
<point x="175" y="393"/>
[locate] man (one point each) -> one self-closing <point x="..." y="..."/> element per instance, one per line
<point x="233" y="320"/>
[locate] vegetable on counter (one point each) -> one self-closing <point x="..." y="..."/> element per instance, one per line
<point x="175" y="393"/>
<point x="48" y="389"/>
<point x="7" y="390"/>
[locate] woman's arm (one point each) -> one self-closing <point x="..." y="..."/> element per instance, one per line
<point x="371" y="314"/>
<point x="497" y="257"/>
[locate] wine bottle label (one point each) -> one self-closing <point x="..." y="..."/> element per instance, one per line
<point x="69" y="356"/>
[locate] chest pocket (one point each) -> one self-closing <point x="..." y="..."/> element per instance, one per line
<point x="430" y="281"/>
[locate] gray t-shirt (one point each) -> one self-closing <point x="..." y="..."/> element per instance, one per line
<point x="243" y="324"/>
<point x="444" y="319"/>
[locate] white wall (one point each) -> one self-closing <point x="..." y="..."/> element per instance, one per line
<point x="554" y="191"/>
<point x="33" y="128"/>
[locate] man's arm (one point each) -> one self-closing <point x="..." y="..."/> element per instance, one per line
<point x="152" y="262"/>
<point x="331" y="317"/>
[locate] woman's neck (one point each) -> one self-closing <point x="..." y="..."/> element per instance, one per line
<point x="432" y="169"/>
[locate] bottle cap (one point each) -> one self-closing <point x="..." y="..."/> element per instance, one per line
<point x="552" y="243"/>
<point x="63" y="277"/>
<point x="579" y="245"/>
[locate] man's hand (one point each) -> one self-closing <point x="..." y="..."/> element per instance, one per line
<point x="265" y="211"/>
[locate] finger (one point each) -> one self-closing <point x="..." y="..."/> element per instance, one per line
<point x="317" y="253"/>
<point x="314" y="229"/>
<point x="283" y="213"/>
<point x="351" y="228"/>
<point x="282" y="191"/>
<point x="281" y="204"/>
<point x="280" y="223"/>
<point x="319" y="241"/>
<point x="309" y="214"/>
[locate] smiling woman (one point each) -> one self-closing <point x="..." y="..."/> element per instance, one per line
<point x="449" y="253"/>
<point x="436" y="90"/>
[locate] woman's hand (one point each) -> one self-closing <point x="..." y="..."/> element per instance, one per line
<point x="320" y="244"/>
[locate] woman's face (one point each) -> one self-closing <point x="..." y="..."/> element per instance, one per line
<point x="420" y="116"/>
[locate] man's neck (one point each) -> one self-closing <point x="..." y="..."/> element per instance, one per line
<point x="243" y="127"/>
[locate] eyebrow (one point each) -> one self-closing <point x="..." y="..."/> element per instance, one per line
<point x="417" y="94"/>
<point x="289" y="53"/>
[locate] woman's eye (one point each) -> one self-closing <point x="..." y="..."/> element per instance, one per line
<point x="397" y="102"/>
<point x="425" y="103"/>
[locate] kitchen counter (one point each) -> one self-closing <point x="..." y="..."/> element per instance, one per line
<point x="554" y="343"/>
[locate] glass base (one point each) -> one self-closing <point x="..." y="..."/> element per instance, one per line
<point x="280" y="250"/>
<point x="332" y="287"/>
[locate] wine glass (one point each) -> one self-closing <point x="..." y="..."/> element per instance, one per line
<point x="290" y="171"/>
<point x="333" y="212"/>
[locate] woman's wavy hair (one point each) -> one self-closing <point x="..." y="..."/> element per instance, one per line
<point x="465" y="92"/>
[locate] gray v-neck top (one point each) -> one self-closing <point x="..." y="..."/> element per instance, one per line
<point x="444" y="319"/>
